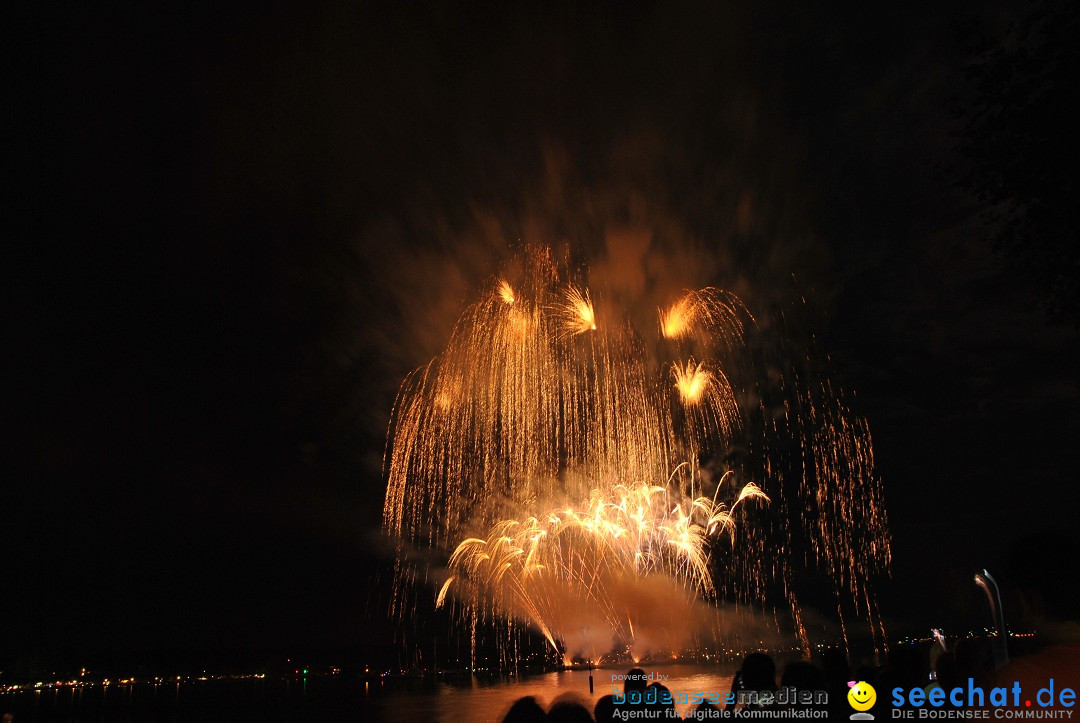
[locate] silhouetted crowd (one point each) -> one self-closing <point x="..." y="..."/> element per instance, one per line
<point x="755" y="687"/>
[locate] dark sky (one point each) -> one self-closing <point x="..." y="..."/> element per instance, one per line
<point x="253" y="222"/>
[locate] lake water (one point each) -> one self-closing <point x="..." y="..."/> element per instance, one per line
<point x="338" y="698"/>
<point x="488" y="702"/>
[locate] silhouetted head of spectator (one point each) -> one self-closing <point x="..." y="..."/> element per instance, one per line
<point x="909" y="666"/>
<point x="604" y="712"/>
<point x="635" y="680"/>
<point x="758" y="672"/>
<point x="946" y="670"/>
<point x="524" y="710"/>
<point x="704" y="711"/>
<point x="803" y="676"/>
<point x="661" y="695"/>
<point x="867" y="673"/>
<point x="974" y="658"/>
<point x="835" y="666"/>
<point x="567" y="709"/>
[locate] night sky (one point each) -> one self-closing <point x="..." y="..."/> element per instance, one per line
<point x="251" y="223"/>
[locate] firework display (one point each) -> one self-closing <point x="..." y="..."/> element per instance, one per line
<point x="569" y="473"/>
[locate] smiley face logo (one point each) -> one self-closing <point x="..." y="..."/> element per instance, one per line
<point x="862" y="696"/>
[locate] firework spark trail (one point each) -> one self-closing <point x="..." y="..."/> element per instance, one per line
<point x="711" y="312"/>
<point x="524" y="567"/>
<point x="578" y="311"/>
<point x="557" y="472"/>
<point x="506" y="292"/>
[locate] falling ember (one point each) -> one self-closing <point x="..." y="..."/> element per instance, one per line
<point x="441" y="597"/>
<point x="579" y="311"/>
<point x="749" y="491"/>
<point x="691" y="380"/>
<point x="506" y="292"/>
<point x="717" y="314"/>
<point x="572" y="491"/>
<point x="675" y="320"/>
